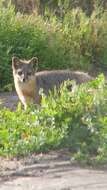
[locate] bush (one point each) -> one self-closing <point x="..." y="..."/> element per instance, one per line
<point x="75" y="42"/>
<point x="86" y="38"/>
<point x="74" y="119"/>
<point x="27" y="36"/>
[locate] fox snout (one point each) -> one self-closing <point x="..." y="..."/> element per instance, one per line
<point x="23" y="78"/>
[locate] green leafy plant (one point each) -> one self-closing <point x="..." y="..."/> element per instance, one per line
<point x="75" y="119"/>
<point x="74" y="42"/>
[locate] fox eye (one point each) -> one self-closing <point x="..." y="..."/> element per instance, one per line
<point x="19" y="72"/>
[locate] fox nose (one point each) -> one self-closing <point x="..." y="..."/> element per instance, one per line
<point x="24" y="79"/>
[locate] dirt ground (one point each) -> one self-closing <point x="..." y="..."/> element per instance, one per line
<point x="51" y="171"/>
<point x="9" y="100"/>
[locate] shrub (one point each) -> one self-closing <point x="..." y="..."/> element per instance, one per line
<point x="74" y="119"/>
<point x="17" y="37"/>
<point x="85" y="38"/>
<point x="27" y="36"/>
<point x="75" y="42"/>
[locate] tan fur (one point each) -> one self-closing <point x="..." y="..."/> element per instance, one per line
<point x="25" y="84"/>
<point x="26" y="92"/>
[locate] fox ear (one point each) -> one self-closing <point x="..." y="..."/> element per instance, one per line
<point x="15" y="62"/>
<point x="34" y="63"/>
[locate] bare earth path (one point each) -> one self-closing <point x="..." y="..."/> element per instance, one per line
<point x="9" y="100"/>
<point x="52" y="171"/>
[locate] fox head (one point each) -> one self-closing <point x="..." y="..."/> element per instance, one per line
<point x="23" y="70"/>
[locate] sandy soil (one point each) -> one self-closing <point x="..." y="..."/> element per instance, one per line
<point x="9" y="100"/>
<point x="51" y="171"/>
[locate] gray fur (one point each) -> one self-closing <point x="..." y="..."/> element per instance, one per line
<point x="49" y="79"/>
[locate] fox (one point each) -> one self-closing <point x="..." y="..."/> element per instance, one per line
<point x="28" y="81"/>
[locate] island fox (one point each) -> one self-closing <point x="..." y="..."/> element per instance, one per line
<point x="28" y="81"/>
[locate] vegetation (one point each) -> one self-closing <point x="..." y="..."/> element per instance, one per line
<point x="76" y="41"/>
<point x="58" y="7"/>
<point x="74" y="119"/>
